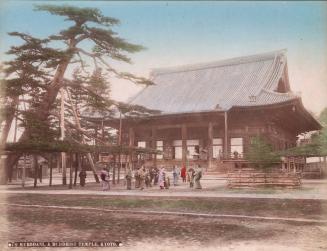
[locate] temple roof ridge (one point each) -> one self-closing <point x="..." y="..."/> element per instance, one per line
<point x="219" y="63"/>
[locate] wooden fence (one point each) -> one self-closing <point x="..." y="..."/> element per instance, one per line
<point x="247" y="177"/>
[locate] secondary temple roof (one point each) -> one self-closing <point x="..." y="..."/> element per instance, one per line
<point x="221" y="85"/>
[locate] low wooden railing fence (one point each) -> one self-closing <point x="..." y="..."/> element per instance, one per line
<point x="248" y="177"/>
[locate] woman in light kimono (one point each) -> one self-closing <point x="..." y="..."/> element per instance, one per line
<point x="175" y="175"/>
<point x="162" y="176"/>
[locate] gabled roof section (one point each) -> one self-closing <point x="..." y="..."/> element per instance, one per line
<point x="220" y="85"/>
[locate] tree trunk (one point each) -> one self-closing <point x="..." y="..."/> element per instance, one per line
<point x="119" y="166"/>
<point x="71" y="171"/>
<point x="62" y="135"/>
<point x="4" y="168"/>
<point x="50" y="167"/>
<point x="78" y="124"/>
<point x="58" y="162"/>
<point x="9" y="119"/>
<point x="35" y="169"/>
<point x="63" y="168"/>
<point x="76" y="168"/>
<point x="23" y="171"/>
<point x="3" y="171"/>
<point x="114" y="171"/>
<point x="43" y="112"/>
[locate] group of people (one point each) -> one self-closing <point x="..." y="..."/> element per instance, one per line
<point x="145" y="177"/>
<point x="148" y="177"/>
<point x="104" y="176"/>
<point x="193" y="175"/>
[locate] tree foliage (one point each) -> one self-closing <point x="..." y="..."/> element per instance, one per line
<point x="261" y="154"/>
<point x="38" y="69"/>
<point x="323" y="117"/>
<point x="322" y="138"/>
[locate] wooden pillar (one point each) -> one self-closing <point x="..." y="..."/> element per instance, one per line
<point x="35" y="164"/>
<point x="76" y="167"/>
<point x="70" y="171"/>
<point x="210" y="150"/>
<point x="120" y="143"/>
<point x="62" y="134"/>
<point x="58" y="162"/>
<point x="226" y="136"/>
<point x="294" y="165"/>
<point x="23" y="171"/>
<point x="305" y="164"/>
<point x="114" y="170"/>
<point x="63" y="168"/>
<point x="184" y="145"/>
<point x="79" y="162"/>
<point x="50" y="167"/>
<point x="131" y="136"/>
<point x="154" y="144"/>
<point x="96" y="142"/>
<point x="119" y="167"/>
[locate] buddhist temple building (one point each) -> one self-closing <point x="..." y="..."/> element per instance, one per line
<point x="209" y="112"/>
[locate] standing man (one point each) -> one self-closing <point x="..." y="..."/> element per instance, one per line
<point x="197" y="177"/>
<point x="137" y="178"/>
<point x="129" y="178"/>
<point x="147" y="178"/>
<point x="190" y="175"/>
<point x="142" y="174"/>
<point x="156" y="175"/>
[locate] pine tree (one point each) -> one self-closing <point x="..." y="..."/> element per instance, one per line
<point x="261" y="154"/>
<point x="322" y="138"/>
<point x="39" y="68"/>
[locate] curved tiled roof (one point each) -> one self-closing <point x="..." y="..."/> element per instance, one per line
<point x="221" y="85"/>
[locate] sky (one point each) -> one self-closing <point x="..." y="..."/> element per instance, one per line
<point x="178" y="33"/>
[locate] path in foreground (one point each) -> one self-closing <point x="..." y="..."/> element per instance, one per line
<point x="168" y="232"/>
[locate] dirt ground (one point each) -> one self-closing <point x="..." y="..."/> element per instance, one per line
<point x="266" y="207"/>
<point x="158" y="232"/>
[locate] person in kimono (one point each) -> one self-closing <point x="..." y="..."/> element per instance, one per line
<point x="197" y="177"/>
<point x="142" y="174"/>
<point x="156" y="176"/>
<point x="104" y="175"/>
<point x="161" y="179"/>
<point x="147" y="178"/>
<point x="82" y="178"/>
<point x="129" y="178"/>
<point x="175" y="175"/>
<point x="183" y="173"/>
<point x="137" y="178"/>
<point x="190" y="176"/>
